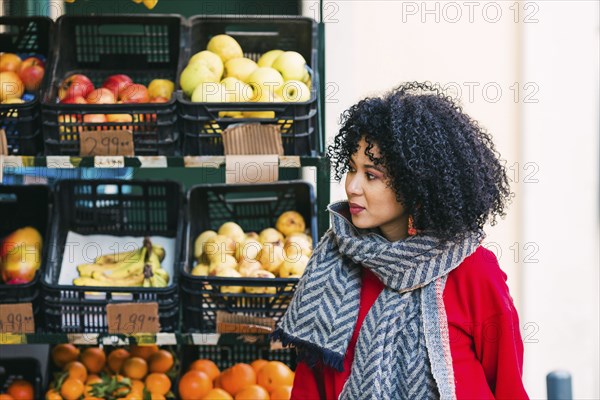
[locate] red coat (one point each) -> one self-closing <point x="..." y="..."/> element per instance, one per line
<point x="485" y="339"/>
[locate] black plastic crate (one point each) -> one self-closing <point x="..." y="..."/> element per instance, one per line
<point x="226" y="355"/>
<point x="22" y="206"/>
<point x="119" y="208"/>
<point x="200" y="123"/>
<point x="145" y="48"/>
<point x="25" y="36"/>
<point x="29" y="369"/>
<point x="253" y="207"/>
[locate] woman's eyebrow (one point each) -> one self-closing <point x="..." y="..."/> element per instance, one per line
<point x="375" y="167"/>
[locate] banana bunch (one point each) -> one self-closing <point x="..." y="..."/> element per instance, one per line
<point x="150" y="4"/>
<point x="140" y="267"/>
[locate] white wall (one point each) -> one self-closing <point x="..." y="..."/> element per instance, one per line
<point x="543" y="56"/>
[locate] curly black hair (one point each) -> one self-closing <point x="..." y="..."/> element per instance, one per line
<point x="442" y="165"/>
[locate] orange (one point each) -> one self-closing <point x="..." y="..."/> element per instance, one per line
<point x="258" y="364"/>
<point x="4" y="396"/>
<point x="275" y="373"/>
<point x="137" y="386"/>
<point x="161" y="361"/>
<point x="90" y="381"/>
<point x="155" y="396"/>
<point x="116" y="358"/>
<point x="237" y="378"/>
<point x="281" y="393"/>
<point x="142" y="351"/>
<point x="72" y="389"/>
<point x="94" y="359"/>
<point x="217" y="394"/>
<point x="194" y="385"/>
<point x="52" y="394"/>
<point x="135" y="368"/>
<point x="158" y="383"/>
<point x="76" y="370"/>
<point x="206" y="366"/>
<point x="253" y="392"/>
<point x="217" y="382"/>
<point x="62" y="354"/>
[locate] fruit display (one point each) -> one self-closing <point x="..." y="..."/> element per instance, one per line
<point x="221" y="74"/>
<point x="259" y="380"/>
<point x="150" y="4"/>
<point x="20" y="256"/>
<point x="139" y="267"/>
<point x="20" y="77"/>
<point x="282" y="252"/>
<point x="136" y="372"/>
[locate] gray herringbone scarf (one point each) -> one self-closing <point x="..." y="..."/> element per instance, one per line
<point x="403" y="349"/>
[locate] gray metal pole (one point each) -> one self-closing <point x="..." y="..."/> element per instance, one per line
<point x="558" y="385"/>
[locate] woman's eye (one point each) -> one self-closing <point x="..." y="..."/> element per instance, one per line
<point x="370" y="177"/>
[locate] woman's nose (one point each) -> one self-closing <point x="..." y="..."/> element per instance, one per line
<point x="353" y="185"/>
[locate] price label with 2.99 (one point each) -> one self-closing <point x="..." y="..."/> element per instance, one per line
<point x="106" y="143"/>
<point x="132" y="318"/>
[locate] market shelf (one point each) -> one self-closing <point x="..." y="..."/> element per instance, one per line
<point x="16" y="164"/>
<point x="161" y="339"/>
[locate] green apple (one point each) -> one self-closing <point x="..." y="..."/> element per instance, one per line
<point x="291" y="65"/>
<point x="266" y="60"/>
<point x="265" y="82"/>
<point x="194" y="75"/>
<point x="295" y="92"/>
<point x="237" y="91"/>
<point x="225" y="47"/>
<point x="213" y="61"/>
<point x="209" y="92"/>
<point x="240" y="68"/>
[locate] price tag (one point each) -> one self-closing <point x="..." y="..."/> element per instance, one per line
<point x="131" y="318"/>
<point x="16" y="318"/>
<point x="106" y="143"/>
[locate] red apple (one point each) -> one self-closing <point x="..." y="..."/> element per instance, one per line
<point x="31" y="61"/>
<point x="32" y="77"/>
<point x="75" y="85"/>
<point x="116" y="83"/>
<point x="101" y="96"/>
<point x="135" y="93"/>
<point x="74" y="100"/>
<point x="20" y="256"/>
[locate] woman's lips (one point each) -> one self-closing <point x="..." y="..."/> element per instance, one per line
<point x="355" y="209"/>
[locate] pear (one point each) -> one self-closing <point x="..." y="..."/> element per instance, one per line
<point x="270" y="235"/>
<point x="291" y="65"/>
<point x="261" y="289"/>
<point x="293" y="267"/>
<point x="201" y="241"/>
<point x="251" y="235"/>
<point x="297" y="243"/>
<point x="200" y="270"/>
<point x="248" y="250"/>
<point x="211" y="60"/>
<point x="271" y="257"/>
<point x="218" y="246"/>
<point x="230" y="273"/>
<point x="290" y="222"/>
<point x="195" y="74"/>
<point x="232" y="231"/>
<point x="226" y="262"/>
<point x="245" y="267"/>
<point x="240" y="68"/>
<point x="266" y="60"/>
<point x="225" y="47"/>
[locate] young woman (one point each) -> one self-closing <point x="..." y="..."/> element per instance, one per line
<point x="400" y="300"/>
